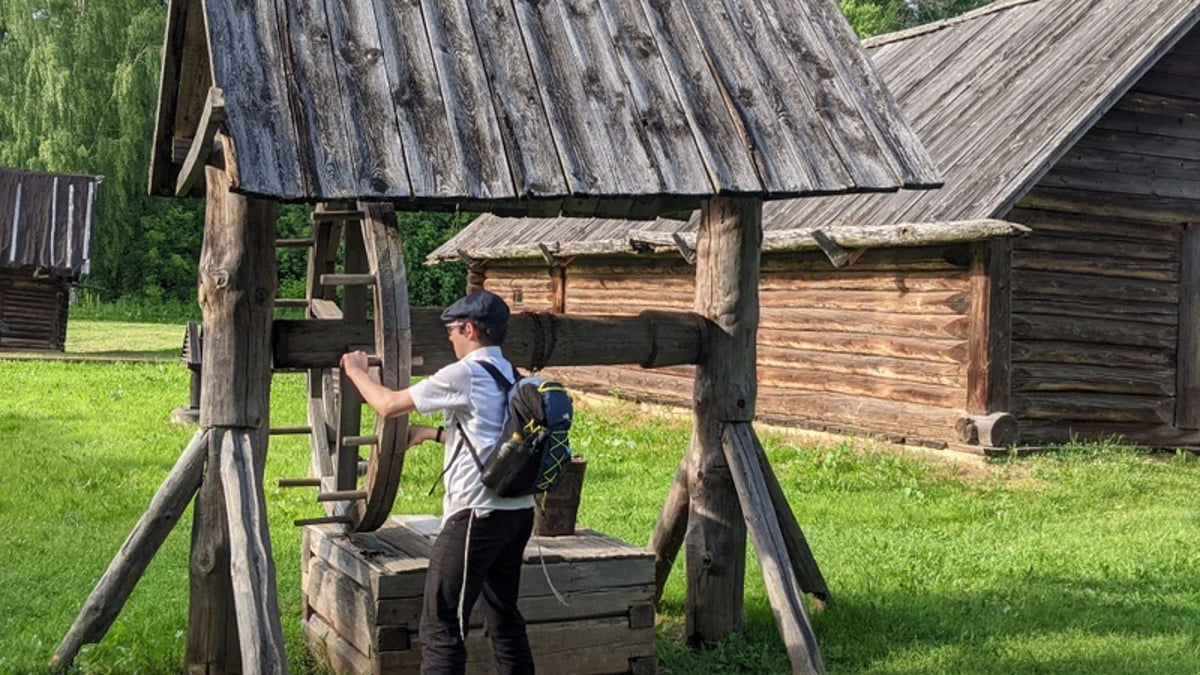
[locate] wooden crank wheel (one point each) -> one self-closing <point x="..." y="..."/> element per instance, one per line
<point x="359" y="252"/>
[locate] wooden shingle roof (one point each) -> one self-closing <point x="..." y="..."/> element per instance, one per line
<point x="996" y="95"/>
<point x="610" y="107"/>
<point x="46" y="220"/>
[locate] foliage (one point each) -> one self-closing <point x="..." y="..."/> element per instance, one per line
<point x="873" y="17"/>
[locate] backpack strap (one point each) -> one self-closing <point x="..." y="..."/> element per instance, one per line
<point x="505" y="387"/>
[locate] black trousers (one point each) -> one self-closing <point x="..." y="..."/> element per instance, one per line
<point x="476" y="557"/>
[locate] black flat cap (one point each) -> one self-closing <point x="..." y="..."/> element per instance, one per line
<point x="485" y="308"/>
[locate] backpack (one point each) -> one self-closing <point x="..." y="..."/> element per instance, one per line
<point x="534" y="449"/>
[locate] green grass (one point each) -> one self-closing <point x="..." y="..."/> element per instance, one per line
<point x="1080" y="561"/>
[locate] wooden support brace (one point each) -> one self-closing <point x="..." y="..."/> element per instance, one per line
<point x="202" y="144"/>
<point x="803" y="562"/>
<point x="783" y="588"/>
<point x="252" y="566"/>
<point x="670" y="530"/>
<point x="127" y="567"/>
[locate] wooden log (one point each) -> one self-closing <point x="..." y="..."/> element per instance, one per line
<point x="989" y="360"/>
<point x="779" y="577"/>
<point x="727" y="267"/>
<point x="670" y="529"/>
<point x="126" y="568"/>
<point x="212" y="636"/>
<point x="252" y="565"/>
<point x="651" y="339"/>
<point x="1187" y="396"/>
<point x="804" y="565"/>
<point x="997" y="430"/>
<point x="237" y="293"/>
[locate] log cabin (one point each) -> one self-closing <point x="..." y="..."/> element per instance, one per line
<point x="45" y="247"/>
<point x="914" y="315"/>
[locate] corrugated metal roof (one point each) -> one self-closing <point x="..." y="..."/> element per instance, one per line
<point x="46" y="220"/>
<point x="996" y="95"/>
<point x="517" y="104"/>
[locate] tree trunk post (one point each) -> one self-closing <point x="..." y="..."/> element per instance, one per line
<point x="232" y="558"/>
<point x="727" y="276"/>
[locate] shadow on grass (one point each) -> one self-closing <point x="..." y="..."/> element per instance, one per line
<point x="1051" y="624"/>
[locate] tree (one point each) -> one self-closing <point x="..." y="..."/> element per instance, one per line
<point x="873" y="17"/>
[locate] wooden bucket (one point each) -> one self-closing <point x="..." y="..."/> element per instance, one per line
<point x="557" y="509"/>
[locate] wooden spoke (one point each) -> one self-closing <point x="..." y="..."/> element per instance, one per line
<point x="356" y="276"/>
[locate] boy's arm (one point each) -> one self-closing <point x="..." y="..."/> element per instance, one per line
<point x="386" y="402"/>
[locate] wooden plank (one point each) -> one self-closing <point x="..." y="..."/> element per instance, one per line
<point x="433" y="159"/>
<point x="919" y="349"/>
<point x="658" y="113"/>
<point x="1029" y="377"/>
<point x="866" y="322"/>
<point x="345" y="606"/>
<point x="568" y="46"/>
<point x="956" y="302"/>
<point x="871" y="385"/>
<point x="988" y="347"/>
<point x="1100" y="247"/>
<point x="1156" y="146"/>
<point x="793" y="155"/>
<point x="779" y="577"/>
<point x="529" y="142"/>
<point x="476" y="134"/>
<point x="1094" y="330"/>
<point x="323" y="123"/>
<point x="589" y="646"/>
<point x="1129" y="163"/>
<point x="1090" y="407"/>
<point x="1082" y="288"/>
<point x="1044" y="351"/>
<point x="1164" y="210"/>
<point x="1058" y="261"/>
<point x="246" y="67"/>
<point x="727" y="159"/>
<point x="126" y="568"/>
<point x="1107" y="180"/>
<point x="822" y="364"/>
<point x="377" y="148"/>
<point x="1066" y="224"/>
<point x="1157" y="312"/>
<point x="1187" y="394"/>
<point x="252" y="565"/>
<point x="827" y="65"/>
<point x="332" y="649"/>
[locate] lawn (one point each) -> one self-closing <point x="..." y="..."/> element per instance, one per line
<point x="1081" y="561"/>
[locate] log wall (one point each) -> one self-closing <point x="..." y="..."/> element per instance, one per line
<point x="1102" y="290"/>
<point x="880" y="346"/>
<point x="33" y="312"/>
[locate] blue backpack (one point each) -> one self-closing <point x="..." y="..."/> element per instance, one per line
<point x="534" y="449"/>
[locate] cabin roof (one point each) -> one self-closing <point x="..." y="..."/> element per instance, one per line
<point x="46" y="220"/>
<point x="997" y="95"/>
<point x="588" y="107"/>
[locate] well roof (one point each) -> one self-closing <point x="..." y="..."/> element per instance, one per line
<point x="610" y="107"/>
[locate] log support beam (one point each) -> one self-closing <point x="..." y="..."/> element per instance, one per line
<point x="232" y="565"/>
<point x="126" y="568"/>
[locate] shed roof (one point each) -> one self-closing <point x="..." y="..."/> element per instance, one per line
<point x="997" y="95"/>
<point x="613" y="107"/>
<point x="46" y="220"/>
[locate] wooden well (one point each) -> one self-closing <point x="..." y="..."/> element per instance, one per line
<point x="362" y="601"/>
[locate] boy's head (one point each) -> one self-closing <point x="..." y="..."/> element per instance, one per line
<point x="486" y="310"/>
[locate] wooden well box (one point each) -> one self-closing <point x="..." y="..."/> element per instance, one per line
<point x="362" y="601"/>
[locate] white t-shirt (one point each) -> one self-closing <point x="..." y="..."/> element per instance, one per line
<point x="470" y="397"/>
